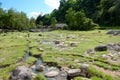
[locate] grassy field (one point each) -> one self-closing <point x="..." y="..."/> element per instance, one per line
<point x="13" y="47"/>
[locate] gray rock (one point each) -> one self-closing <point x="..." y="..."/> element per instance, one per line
<point x="39" y="34"/>
<point x="84" y="66"/>
<point x="73" y="72"/>
<point x="51" y="74"/>
<point x="21" y="73"/>
<point x="114" y="47"/>
<point x="73" y="44"/>
<point x="40" y="67"/>
<point x="101" y="48"/>
<point x="62" y="76"/>
<point x="114" y="32"/>
<point x="90" y="51"/>
<point x="56" y="42"/>
<point x="84" y="70"/>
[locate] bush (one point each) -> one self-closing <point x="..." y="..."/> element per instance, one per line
<point x="79" y="21"/>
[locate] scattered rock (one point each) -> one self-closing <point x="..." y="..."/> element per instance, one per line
<point x="1" y="78"/>
<point x="62" y="45"/>
<point x="105" y="56"/>
<point x="73" y="44"/>
<point x="33" y="67"/>
<point x="114" y="32"/>
<point x="84" y="66"/>
<point x="77" y="60"/>
<point x="114" y="47"/>
<point x="21" y="73"/>
<point x="90" y="51"/>
<point x="56" y="42"/>
<point x="101" y="48"/>
<point x="84" y="70"/>
<point x="2" y="59"/>
<point x="63" y="68"/>
<point x="40" y="67"/>
<point x="73" y="72"/>
<point x="41" y="49"/>
<point x="39" y="34"/>
<point x="62" y="76"/>
<point x="51" y="74"/>
<point x="71" y="36"/>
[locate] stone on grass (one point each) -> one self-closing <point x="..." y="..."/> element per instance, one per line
<point x="73" y="44"/>
<point x="51" y="74"/>
<point x="73" y="72"/>
<point x="21" y="73"/>
<point x="57" y="42"/>
<point x="114" y="32"/>
<point x="90" y="51"/>
<point x="101" y="48"/>
<point x="114" y="47"/>
<point x="39" y="34"/>
<point x="40" y="67"/>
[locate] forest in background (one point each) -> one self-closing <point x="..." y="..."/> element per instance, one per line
<point x="78" y="14"/>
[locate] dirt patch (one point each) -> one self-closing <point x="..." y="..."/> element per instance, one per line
<point x="112" y="73"/>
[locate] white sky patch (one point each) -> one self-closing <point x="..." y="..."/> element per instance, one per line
<point x="34" y="14"/>
<point x="53" y="3"/>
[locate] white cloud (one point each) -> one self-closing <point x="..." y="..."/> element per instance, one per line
<point x="53" y="3"/>
<point x="34" y="14"/>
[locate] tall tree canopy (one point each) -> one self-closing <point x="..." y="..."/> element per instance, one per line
<point x="103" y="12"/>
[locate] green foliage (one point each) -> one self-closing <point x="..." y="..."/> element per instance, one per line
<point x="39" y="77"/>
<point x="53" y="22"/>
<point x="78" y="20"/>
<point x="45" y="19"/>
<point x="12" y="19"/>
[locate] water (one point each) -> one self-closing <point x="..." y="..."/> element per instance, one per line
<point x="40" y="62"/>
<point x="27" y="56"/>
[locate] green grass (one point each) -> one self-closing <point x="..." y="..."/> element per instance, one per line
<point x="35" y="51"/>
<point x="14" y="45"/>
<point x="31" y="60"/>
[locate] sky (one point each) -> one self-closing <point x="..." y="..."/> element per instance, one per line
<point x="32" y="8"/>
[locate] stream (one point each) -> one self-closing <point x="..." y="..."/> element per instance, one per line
<point x="47" y="68"/>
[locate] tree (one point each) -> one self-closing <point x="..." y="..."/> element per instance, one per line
<point x="40" y="24"/>
<point x="78" y="20"/>
<point x="32" y="23"/>
<point x="53" y="22"/>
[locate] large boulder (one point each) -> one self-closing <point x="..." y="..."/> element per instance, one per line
<point x="101" y="48"/>
<point x="21" y="73"/>
<point x="51" y="74"/>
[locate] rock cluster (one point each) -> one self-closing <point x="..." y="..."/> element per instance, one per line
<point x="114" y="32"/>
<point x="22" y="73"/>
